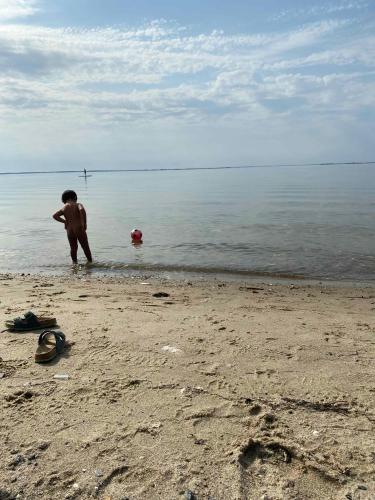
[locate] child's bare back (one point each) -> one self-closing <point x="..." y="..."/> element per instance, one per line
<point x="73" y="216"/>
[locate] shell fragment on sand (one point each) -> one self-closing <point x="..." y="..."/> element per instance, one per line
<point x="171" y="349"/>
<point x="61" y="376"/>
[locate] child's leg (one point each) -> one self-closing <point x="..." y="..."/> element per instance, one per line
<point x="73" y="246"/>
<point x="82" y="238"/>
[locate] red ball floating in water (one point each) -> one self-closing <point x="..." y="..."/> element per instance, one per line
<point x="136" y="235"/>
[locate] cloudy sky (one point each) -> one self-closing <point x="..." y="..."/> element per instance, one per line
<point x="173" y="83"/>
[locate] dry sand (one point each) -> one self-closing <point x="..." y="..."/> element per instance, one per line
<point x="219" y="391"/>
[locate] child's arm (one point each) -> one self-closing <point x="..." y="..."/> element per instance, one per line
<point x="83" y="216"/>
<point x="58" y="216"/>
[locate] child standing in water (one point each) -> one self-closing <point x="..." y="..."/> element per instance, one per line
<point x="73" y="215"/>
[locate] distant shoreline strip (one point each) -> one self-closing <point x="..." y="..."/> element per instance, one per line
<point x="176" y="169"/>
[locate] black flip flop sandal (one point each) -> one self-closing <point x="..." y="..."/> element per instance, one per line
<point x="50" y="344"/>
<point x="30" y="321"/>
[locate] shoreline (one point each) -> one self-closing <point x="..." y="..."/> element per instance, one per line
<point x="230" y="390"/>
<point x="178" y="276"/>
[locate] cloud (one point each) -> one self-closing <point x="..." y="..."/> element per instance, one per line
<point x="161" y="78"/>
<point x="153" y="71"/>
<point x="321" y="10"/>
<point x="13" y="9"/>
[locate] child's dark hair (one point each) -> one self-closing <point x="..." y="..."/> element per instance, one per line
<point x="68" y="195"/>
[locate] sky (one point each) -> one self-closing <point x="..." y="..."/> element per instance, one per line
<point x="147" y="84"/>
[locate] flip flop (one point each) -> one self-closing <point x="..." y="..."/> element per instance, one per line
<point x="50" y="344"/>
<point x="29" y="321"/>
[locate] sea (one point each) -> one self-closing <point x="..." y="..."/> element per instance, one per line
<point x="312" y="222"/>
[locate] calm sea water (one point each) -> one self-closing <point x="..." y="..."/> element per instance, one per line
<point x="315" y="222"/>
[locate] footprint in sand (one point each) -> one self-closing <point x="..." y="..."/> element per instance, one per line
<point x="271" y="466"/>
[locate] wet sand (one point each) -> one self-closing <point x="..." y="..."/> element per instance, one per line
<point x="217" y="391"/>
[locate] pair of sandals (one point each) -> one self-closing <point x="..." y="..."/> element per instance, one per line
<point x="51" y="343"/>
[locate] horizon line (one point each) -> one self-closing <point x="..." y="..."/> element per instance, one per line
<point x="161" y="169"/>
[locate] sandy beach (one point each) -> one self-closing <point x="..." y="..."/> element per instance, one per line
<point x="218" y="390"/>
